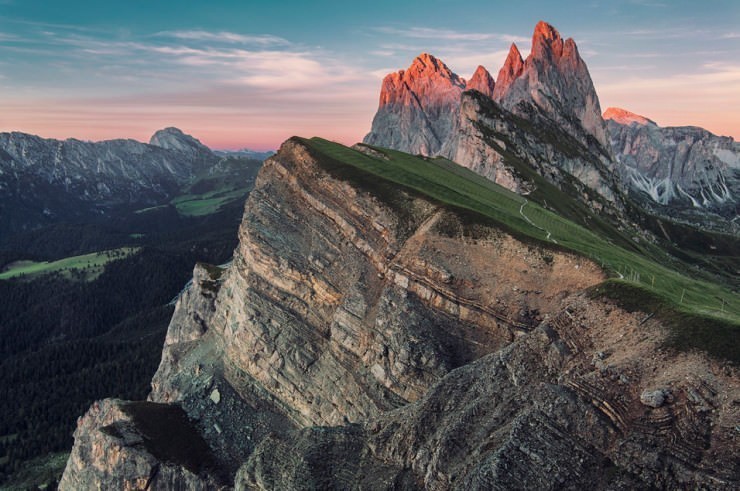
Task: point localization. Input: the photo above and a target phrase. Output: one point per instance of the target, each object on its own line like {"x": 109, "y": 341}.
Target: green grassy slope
{"x": 90, "y": 264}
{"x": 639, "y": 266}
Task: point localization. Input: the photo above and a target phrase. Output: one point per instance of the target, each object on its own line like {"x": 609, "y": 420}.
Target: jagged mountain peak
{"x": 510, "y": 71}
{"x": 426, "y": 78}
{"x": 546, "y": 40}
{"x": 623, "y": 116}
{"x": 172, "y": 138}
{"x": 416, "y": 106}
{"x": 482, "y": 81}
{"x": 545, "y": 30}
{"x": 426, "y": 62}
{"x": 554, "y": 78}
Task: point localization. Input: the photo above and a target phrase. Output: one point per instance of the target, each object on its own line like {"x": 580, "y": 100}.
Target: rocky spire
{"x": 512, "y": 69}
{"x": 554, "y": 78}
{"x": 482, "y": 82}
{"x": 546, "y": 41}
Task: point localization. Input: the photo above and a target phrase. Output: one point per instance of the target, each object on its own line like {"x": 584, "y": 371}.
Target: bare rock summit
{"x": 482, "y": 81}
{"x": 555, "y": 78}
{"x": 416, "y": 107}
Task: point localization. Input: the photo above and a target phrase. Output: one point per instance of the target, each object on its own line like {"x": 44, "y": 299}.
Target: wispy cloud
{"x": 262, "y": 87}
{"x": 226, "y": 37}
{"x": 251, "y": 60}
{"x": 450, "y": 35}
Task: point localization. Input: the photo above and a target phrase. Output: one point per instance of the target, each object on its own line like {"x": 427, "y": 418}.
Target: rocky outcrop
{"x": 137, "y": 445}
{"x": 518, "y": 153}
{"x": 512, "y": 70}
{"x": 417, "y": 107}
{"x": 366, "y": 337}
{"x": 684, "y": 167}
{"x": 556, "y": 80}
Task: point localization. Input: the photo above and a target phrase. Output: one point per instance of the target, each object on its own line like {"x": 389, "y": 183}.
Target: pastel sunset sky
{"x": 252, "y": 73}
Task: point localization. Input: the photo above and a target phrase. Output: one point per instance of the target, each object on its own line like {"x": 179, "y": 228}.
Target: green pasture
{"x": 91, "y": 265}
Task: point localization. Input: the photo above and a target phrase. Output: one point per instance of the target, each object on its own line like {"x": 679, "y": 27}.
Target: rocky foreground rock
{"x": 367, "y": 338}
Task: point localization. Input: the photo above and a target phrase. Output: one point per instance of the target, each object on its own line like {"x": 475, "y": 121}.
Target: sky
{"x": 251, "y": 74}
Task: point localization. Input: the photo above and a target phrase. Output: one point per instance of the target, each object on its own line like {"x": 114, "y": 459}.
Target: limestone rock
{"x": 503, "y": 146}
{"x": 511, "y": 70}
{"x": 546, "y": 115}
{"x": 554, "y": 78}
{"x": 121, "y": 445}
{"x": 482, "y": 82}
{"x": 627, "y": 118}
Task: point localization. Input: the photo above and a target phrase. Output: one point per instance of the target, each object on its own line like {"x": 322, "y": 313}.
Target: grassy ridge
{"x": 92, "y": 264}
{"x": 460, "y": 188}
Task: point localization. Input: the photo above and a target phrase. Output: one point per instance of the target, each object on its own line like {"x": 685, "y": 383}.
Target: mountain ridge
{"x": 47, "y": 180}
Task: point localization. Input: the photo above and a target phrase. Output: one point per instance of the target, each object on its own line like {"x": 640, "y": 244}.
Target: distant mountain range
{"x": 96, "y": 239}
{"x": 44, "y": 181}
{"x": 246, "y": 153}
{"x": 542, "y": 113}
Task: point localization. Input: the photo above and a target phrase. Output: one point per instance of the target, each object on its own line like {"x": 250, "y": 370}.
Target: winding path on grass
{"x": 521, "y": 212}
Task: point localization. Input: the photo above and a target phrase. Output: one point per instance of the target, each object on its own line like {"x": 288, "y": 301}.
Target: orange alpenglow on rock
{"x": 512, "y": 69}
{"x": 428, "y": 81}
{"x": 623, "y": 116}
{"x": 482, "y": 81}
{"x": 417, "y": 106}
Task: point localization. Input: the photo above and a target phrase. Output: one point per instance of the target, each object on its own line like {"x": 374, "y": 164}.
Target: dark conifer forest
{"x": 70, "y": 338}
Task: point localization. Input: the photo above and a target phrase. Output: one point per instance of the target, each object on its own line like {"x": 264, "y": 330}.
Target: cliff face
{"x": 680, "y": 166}
{"x": 506, "y": 147}
{"x": 366, "y": 337}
